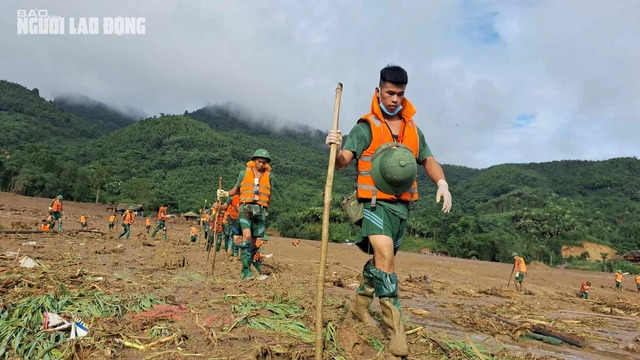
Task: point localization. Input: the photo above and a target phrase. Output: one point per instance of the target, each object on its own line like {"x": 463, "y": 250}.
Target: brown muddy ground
{"x": 212, "y": 324}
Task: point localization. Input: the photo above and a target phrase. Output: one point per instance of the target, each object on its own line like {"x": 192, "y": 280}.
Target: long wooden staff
{"x": 325, "y": 227}
{"x": 215, "y": 229}
{"x": 509, "y": 282}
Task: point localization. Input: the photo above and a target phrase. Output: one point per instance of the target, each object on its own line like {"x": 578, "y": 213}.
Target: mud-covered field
{"x": 156, "y": 299}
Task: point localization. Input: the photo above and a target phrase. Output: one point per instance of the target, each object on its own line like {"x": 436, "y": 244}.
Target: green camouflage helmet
{"x": 59, "y": 197}
{"x": 261, "y": 153}
{"x": 514, "y": 254}
{"x": 393, "y": 168}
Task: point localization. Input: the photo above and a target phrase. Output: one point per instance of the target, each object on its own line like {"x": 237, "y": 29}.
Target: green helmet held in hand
{"x": 393, "y": 168}
{"x": 261, "y": 153}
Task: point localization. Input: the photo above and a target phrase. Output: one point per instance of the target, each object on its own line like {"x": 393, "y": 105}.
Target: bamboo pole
{"x": 325, "y": 227}
{"x": 215, "y": 230}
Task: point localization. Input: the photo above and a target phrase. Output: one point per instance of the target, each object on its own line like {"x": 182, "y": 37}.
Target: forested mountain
{"x": 530, "y": 208}
{"x": 104, "y": 117}
{"x": 28, "y": 119}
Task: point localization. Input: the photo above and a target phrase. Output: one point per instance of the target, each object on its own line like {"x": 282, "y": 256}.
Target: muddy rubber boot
{"x": 246, "y": 258}
{"x": 59, "y": 225}
{"x": 361, "y": 303}
{"x": 364, "y": 296}
{"x": 164, "y": 234}
{"x": 393, "y": 318}
{"x": 234, "y": 249}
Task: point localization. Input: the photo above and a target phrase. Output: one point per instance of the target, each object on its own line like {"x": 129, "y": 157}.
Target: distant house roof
{"x": 190, "y": 214}
{"x": 123, "y": 207}
{"x": 632, "y": 255}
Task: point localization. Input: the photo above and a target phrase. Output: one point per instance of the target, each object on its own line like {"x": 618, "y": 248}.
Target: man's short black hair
{"x": 393, "y": 74}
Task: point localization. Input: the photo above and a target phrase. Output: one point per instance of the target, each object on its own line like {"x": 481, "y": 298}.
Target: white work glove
{"x": 50, "y": 208}
{"x": 221, "y": 194}
{"x": 334, "y": 137}
{"x": 443, "y": 192}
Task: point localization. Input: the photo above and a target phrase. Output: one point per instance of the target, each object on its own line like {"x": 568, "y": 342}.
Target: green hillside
{"x": 530, "y": 208}
{"x": 104, "y": 117}
{"x": 27, "y": 119}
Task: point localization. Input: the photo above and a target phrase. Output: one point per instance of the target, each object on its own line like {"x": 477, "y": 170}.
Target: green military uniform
{"x": 390, "y": 217}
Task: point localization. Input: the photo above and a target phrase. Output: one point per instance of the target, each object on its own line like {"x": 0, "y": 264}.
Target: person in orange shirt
{"x": 161, "y": 222}
{"x": 584, "y": 290}
{"x": 45, "y": 226}
{"x": 618, "y": 277}
{"x": 83, "y": 221}
{"x": 295, "y": 242}
{"x": 194, "y": 233}
{"x": 112, "y": 221}
{"x": 128, "y": 220}
{"x": 638, "y": 282}
{"x": 147, "y": 225}
{"x": 520, "y": 268}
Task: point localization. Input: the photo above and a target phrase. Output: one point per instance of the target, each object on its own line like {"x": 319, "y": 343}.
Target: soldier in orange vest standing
{"x": 55, "y": 210}
{"x": 83, "y": 221}
{"x": 231, "y": 206}
{"x": 520, "y": 267}
{"x": 161, "y": 222}
{"x": 194, "y": 233}
{"x": 388, "y": 148}
{"x": 254, "y": 185}
{"x": 129, "y": 219}
{"x": 112, "y": 220}
{"x": 147, "y": 224}
{"x": 618, "y": 277}
{"x": 638, "y": 282}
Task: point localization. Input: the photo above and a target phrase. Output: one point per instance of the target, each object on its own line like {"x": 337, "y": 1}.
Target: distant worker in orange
{"x": 45, "y": 226}
{"x": 83, "y": 221}
{"x": 112, "y": 221}
{"x": 618, "y": 277}
{"x": 295, "y": 242}
{"x": 194, "y": 233}
{"x": 161, "y": 222}
{"x": 147, "y": 225}
{"x": 520, "y": 268}
{"x": 55, "y": 210}
{"x": 232, "y": 205}
{"x": 584, "y": 290}
{"x": 638, "y": 282}
{"x": 128, "y": 220}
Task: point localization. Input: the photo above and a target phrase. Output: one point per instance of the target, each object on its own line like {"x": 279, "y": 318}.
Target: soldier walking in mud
{"x": 55, "y": 210}
{"x": 388, "y": 147}
{"x": 618, "y": 278}
{"x": 128, "y": 220}
{"x": 112, "y": 220}
{"x": 161, "y": 222}
{"x": 254, "y": 185}
{"x": 520, "y": 267}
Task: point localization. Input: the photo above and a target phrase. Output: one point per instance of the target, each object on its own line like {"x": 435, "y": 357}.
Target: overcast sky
{"x": 493, "y": 81}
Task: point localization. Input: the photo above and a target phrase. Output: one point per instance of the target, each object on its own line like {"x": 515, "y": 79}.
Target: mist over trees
{"x": 91, "y": 153}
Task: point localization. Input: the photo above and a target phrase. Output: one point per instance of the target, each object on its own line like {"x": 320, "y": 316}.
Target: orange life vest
{"x": 148, "y": 222}
{"x": 220, "y": 220}
{"x": 205, "y": 216}
{"x": 618, "y": 277}
{"x": 381, "y": 134}
{"x": 162, "y": 213}
{"x": 45, "y": 227}
{"x": 233, "y": 209}
{"x": 585, "y": 287}
{"x": 194, "y": 230}
{"x": 637, "y": 279}
{"x": 248, "y": 186}
{"x": 83, "y": 219}
{"x": 520, "y": 265}
{"x": 56, "y": 206}
{"x": 128, "y": 217}
{"x": 258, "y": 256}
{"x": 112, "y": 218}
